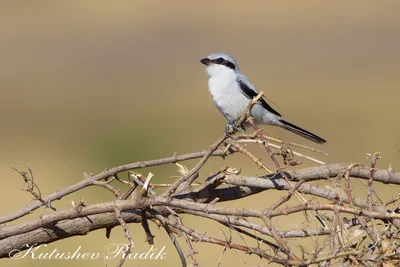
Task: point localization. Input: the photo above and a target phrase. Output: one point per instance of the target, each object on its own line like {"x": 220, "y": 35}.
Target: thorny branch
{"x": 370, "y": 237}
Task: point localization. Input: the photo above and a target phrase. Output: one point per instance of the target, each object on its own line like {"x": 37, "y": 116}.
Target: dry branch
{"x": 104, "y": 175}
{"x": 141, "y": 202}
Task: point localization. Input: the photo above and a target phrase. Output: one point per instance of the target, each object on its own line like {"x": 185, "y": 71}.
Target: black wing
{"x": 250, "y": 94}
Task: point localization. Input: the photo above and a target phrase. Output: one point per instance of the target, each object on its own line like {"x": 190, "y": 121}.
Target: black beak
{"x": 205, "y": 61}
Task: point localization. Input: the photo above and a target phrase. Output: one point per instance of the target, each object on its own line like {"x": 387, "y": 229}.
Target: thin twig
{"x": 279, "y": 147}
{"x": 296, "y": 145}
{"x": 393, "y": 200}
{"x": 31, "y": 185}
{"x": 166, "y": 223}
{"x": 287, "y": 196}
{"x": 192, "y": 253}
{"x": 145, "y": 225}
{"x": 187, "y": 177}
{"x": 281, "y": 243}
{"x": 243, "y": 150}
{"x": 131, "y": 244}
{"x": 247, "y": 233}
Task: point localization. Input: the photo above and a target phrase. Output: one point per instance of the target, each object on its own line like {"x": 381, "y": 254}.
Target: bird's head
{"x": 219, "y": 64}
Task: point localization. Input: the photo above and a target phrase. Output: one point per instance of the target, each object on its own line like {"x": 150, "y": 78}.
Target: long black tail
{"x": 297, "y": 130}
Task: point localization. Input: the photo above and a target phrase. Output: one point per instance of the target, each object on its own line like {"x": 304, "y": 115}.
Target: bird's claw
{"x": 231, "y": 129}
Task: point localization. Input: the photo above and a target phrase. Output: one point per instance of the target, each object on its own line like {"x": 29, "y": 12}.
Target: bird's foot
{"x": 231, "y": 129}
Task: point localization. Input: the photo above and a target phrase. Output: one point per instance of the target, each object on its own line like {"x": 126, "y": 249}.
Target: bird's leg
{"x": 231, "y": 129}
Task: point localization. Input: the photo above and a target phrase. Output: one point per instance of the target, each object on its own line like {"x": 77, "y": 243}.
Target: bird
{"x": 232, "y": 92}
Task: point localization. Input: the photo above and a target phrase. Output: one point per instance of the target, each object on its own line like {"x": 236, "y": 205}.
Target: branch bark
{"x": 185, "y": 197}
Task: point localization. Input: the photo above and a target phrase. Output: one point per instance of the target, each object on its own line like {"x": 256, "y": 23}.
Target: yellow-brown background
{"x": 87, "y": 85}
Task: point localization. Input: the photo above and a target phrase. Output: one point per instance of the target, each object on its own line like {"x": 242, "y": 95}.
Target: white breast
{"x": 227, "y": 94}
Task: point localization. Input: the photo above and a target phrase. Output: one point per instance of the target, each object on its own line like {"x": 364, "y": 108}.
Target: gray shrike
{"x": 232, "y": 92}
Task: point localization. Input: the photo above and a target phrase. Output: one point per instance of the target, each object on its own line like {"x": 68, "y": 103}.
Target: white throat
{"x": 220, "y": 78}
{"x": 215, "y": 71}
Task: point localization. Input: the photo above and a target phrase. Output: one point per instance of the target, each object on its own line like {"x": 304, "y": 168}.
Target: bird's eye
{"x": 220, "y": 60}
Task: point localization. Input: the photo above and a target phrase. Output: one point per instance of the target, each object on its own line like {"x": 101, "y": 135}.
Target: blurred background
{"x": 87, "y": 85}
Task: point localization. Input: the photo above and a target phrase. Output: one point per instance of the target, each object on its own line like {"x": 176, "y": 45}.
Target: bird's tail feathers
{"x": 299, "y": 131}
